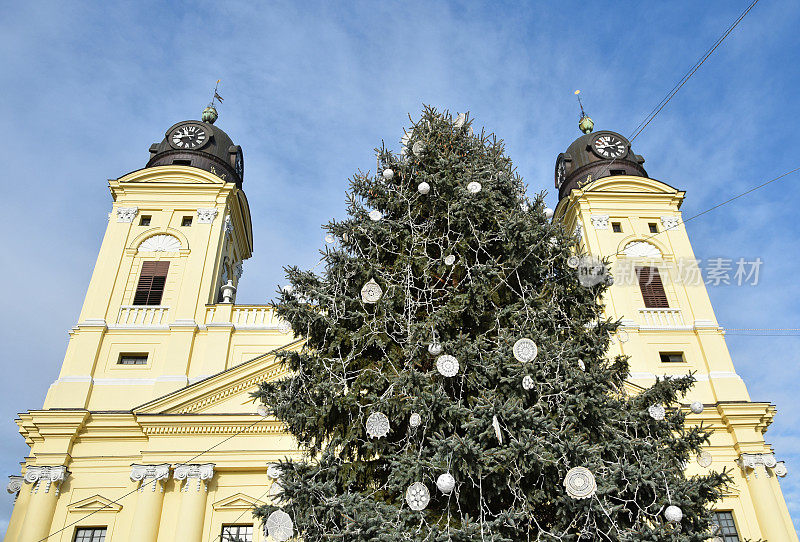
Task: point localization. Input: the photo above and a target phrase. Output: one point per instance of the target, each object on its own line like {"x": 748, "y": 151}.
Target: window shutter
{"x": 652, "y": 288}
{"x": 152, "y": 279}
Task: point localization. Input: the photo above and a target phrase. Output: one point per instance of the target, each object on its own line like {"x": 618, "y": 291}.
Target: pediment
{"x": 624, "y": 183}
{"x": 96, "y": 503}
{"x": 227, "y": 392}
{"x": 239, "y": 501}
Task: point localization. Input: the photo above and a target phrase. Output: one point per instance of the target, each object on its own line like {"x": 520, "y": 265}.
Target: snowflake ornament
{"x": 446, "y": 483}
{"x": 673, "y": 514}
{"x": 704, "y": 459}
{"x": 657, "y": 412}
{"x": 423, "y": 188}
{"x": 418, "y": 147}
{"x": 417, "y": 496}
{"x": 279, "y": 526}
{"x": 696, "y": 407}
{"x": 447, "y": 365}
{"x": 580, "y": 483}
{"x": 388, "y": 174}
{"x": 415, "y": 420}
{"x": 474, "y": 187}
{"x": 377, "y": 425}
{"x": 527, "y": 382}
{"x": 450, "y": 259}
{"x": 525, "y": 350}
{"x": 371, "y": 292}
{"x": 375, "y": 215}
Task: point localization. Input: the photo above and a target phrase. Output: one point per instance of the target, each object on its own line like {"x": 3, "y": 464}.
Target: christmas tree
{"x": 455, "y": 384}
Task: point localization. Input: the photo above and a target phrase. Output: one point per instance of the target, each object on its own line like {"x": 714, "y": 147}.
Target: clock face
{"x": 609, "y": 146}
{"x": 238, "y": 164}
{"x": 188, "y": 136}
{"x": 561, "y": 171}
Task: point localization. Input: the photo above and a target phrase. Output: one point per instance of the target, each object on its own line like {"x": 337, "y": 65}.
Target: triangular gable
{"x": 96, "y": 503}
{"x": 225, "y": 392}
{"x": 240, "y": 501}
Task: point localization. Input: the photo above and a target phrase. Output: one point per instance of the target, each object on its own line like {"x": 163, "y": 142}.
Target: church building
{"x": 149, "y": 432}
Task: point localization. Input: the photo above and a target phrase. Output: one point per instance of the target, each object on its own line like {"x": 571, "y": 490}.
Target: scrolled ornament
{"x": 377, "y": 425}
{"x": 434, "y": 348}
{"x": 417, "y": 496}
{"x": 447, "y": 365}
{"x": 279, "y": 526}
{"x": 580, "y": 483}
{"x": 371, "y": 292}
{"x": 415, "y": 420}
{"x": 474, "y": 187}
{"x": 525, "y": 350}
{"x": 704, "y": 459}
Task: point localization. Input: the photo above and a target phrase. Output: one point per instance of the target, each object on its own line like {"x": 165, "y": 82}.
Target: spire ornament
{"x": 210, "y": 114}
{"x": 586, "y": 124}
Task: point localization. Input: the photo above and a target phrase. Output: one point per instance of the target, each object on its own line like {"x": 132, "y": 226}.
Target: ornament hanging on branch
{"x": 418, "y": 147}
{"x": 704, "y": 459}
{"x": 582, "y": 365}
{"x": 580, "y": 483}
{"x": 371, "y": 292}
{"x": 527, "y": 382}
{"x": 329, "y": 239}
{"x": 474, "y": 187}
{"x": 262, "y": 410}
{"x": 423, "y": 188}
{"x": 388, "y": 174}
{"x": 696, "y": 407}
{"x": 548, "y": 213}
{"x": 274, "y": 471}
{"x": 447, "y": 365}
{"x": 375, "y": 215}
{"x": 573, "y": 262}
{"x": 417, "y": 496}
{"x": 279, "y": 526}
{"x": 415, "y": 420}
{"x": 657, "y": 412}
{"x": 460, "y": 121}
{"x": 450, "y": 259}
{"x": 497, "y": 432}
{"x": 446, "y": 483}
{"x": 434, "y": 348}
{"x": 673, "y": 514}
{"x": 377, "y": 425}
{"x": 525, "y": 350}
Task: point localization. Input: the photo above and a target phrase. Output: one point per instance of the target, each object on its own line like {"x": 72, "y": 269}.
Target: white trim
{"x": 723, "y": 374}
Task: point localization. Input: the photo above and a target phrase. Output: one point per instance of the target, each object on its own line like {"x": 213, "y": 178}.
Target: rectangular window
{"x": 671, "y": 357}
{"x": 182, "y": 162}
{"x": 653, "y": 227}
{"x": 617, "y": 172}
{"x": 725, "y": 527}
{"x": 616, "y": 227}
{"x": 652, "y": 289}
{"x": 144, "y": 220}
{"x": 237, "y": 533}
{"x": 187, "y": 221}
{"x": 92, "y": 534}
{"x": 132, "y": 359}
{"x": 151, "y": 283}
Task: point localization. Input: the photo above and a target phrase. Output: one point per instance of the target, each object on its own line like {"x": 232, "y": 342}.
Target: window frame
{"x": 136, "y": 355}
{"x": 186, "y": 221}
{"x": 654, "y": 295}
{"x": 92, "y": 538}
{"x": 668, "y": 354}
{"x": 151, "y": 284}
{"x": 653, "y": 227}
{"x": 145, "y": 220}
{"x": 239, "y": 537}
{"x": 727, "y": 536}
{"x": 616, "y": 227}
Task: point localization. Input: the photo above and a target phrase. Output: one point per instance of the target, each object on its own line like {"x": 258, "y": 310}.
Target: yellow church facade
{"x": 149, "y": 433}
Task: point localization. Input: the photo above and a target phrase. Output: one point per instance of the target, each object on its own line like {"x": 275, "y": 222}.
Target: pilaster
{"x": 194, "y": 493}
{"x": 45, "y": 483}
{"x": 149, "y": 500}
{"x": 16, "y": 486}
{"x": 761, "y": 471}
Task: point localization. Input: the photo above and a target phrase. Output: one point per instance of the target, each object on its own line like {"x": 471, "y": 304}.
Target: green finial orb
{"x": 586, "y": 124}
{"x": 210, "y": 114}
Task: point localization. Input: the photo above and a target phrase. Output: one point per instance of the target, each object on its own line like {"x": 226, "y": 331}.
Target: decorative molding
{"x": 207, "y": 215}
{"x": 600, "y": 222}
{"x": 97, "y": 503}
{"x": 239, "y": 270}
{"x": 579, "y": 232}
{"x": 641, "y": 249}
{"x": 127, "y": 214}
{"x": 670, "y": 222}
{"x": 160, "y": 243}
{"x": 239, "y": 501}
{"x": 14, "y": 484}
{"x": 228, "y": 225}
{"x": 753, "y": 462}
{"x": 150, "y": 474}
{"x": 46, "y": 476}
{"x": 201, "y": 472}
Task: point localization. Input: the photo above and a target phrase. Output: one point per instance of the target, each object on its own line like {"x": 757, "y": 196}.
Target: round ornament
{"x": 573, "y": 262}
{"x": 288, "y": 288}
{"x": 548, "y": 213}
{"x": 377, "y": 425}
{"x": 447, "y": 365}
{"x": 275, "y": 491}
{"x": 553, "y": 242}
{"x": 423, "y": 188}
{"x": 525, "y": 350}
{"x": 329, "y": 238}
{"x": 375, "y": 215}
{"x": 673, "y": 514}
{"x": 417, "y": 496}
{"x": 657, "y": 412}
{"x": 279, "y": 526}
{"x": 415, "y": 420}
{"x": 371, "y": 292}
{"x": 274, "y": 471}
{"x": 474, "y": 187}
{"x": 527, "y": 382}
{"x": 696, "y": 407}
{"x": 460, "y": 121}
{"x": 450, "y": 259}
{"x": 434, "y": 349}
{"x": 446, "y": 483}
{"x": 580, "y": 483}
{"x": 622, "y": 336}
{"x": 704, "y": 459}
{"x": 388, "y": 174}
{"x": 262, "y": 410}
{"x": 418, "y": 147}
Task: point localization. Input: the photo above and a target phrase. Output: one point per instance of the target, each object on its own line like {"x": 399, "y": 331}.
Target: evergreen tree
{"x": 441, "y": 255}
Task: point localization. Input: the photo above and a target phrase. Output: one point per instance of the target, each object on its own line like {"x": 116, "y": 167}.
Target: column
{"x": 149, "y": 498}
{"x": 193, "y": 500}
{"x": 759, "y": 469}
{"x": 16, "y": 487}
{"x": 45, "y": 483}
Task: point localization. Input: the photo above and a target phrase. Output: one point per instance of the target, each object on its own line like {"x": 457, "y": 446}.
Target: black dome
{"x": 216, "y": 153}
{"x": 581, "y": 160}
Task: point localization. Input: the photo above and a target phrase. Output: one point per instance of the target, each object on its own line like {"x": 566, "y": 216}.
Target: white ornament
{"x": 377, "y": 425}
{"x": 418, "y": 147}
{"x": 450, "y": 259}
{"x": 673, "y": 514}
{"x": 375, "y": 215}
{"x": 622, "y": 336}
{"x": 288, "y": 289}
{"x": 497, "y": 432}
{"x": 371, "y": 292}
{"x": 525, "y": 350}
{"x": 415, "y": 420}
{"x": 417, "y": 496}
{"x": 446, "y": 483}
{"x": 657, "y": 412}
{"x": 275, "y": 491}
{"x": 423, "y": 188}
{"x": 553, "y": 242}
{"x": 447, "y": 365}
{"x": 704, "y": 459}
{"x": 262, "y": 410}
{"x": 582, "y": 365}
{"x": 548, "y": 213}
{"x": 274, "y": 471}
{"x": 284, "y": 326}
{"x": 527, "y": 382}
{"x": 388, "y": 174}
{"x": 474, "y": 187}
{"x": 460, "y": 121}
{"x": 580, "y": 483}
{"x": 696, "y": 407}
{"x": 329, "y": 238}
{"x": 434, "y": 349}
{"x": 279, "y": 526}
{"x": 524, "y": 207}
{"x": 573, "y": 261}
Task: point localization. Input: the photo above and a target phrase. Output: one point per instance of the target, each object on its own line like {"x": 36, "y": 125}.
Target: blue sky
{"x": 311, "y": 88}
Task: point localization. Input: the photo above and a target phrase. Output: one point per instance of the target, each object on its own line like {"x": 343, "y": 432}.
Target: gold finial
{"x": 586, "y": 124}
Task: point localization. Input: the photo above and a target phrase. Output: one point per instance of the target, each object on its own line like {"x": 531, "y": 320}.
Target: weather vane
{"x": 210, "y": 114}
{"x": 586, "y": 124}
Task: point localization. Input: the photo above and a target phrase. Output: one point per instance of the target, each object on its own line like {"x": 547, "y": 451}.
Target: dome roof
{"x": 202, "y": 145}
{"x": 599, "y": 154}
